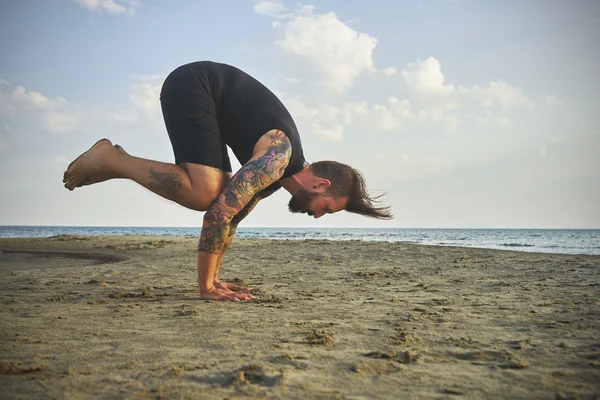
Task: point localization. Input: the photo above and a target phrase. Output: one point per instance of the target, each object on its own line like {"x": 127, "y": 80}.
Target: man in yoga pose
{"x": 208, "y": 106}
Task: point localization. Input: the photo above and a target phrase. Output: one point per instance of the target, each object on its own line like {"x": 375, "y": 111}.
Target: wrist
{"x": 206, "y": 288}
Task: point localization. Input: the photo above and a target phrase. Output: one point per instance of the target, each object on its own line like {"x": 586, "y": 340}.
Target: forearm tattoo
{"x": 167, "y": 184}
{"x": 235, "y": 221}
{"x": 240, "y": 191}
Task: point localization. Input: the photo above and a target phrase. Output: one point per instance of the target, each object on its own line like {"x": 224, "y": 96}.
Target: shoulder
{"x": 274, "y": 143}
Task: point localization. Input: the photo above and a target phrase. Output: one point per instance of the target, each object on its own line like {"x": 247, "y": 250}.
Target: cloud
{"x": 35, "y": 100}
{"x": 272, "y": 9}
{"x": 53, "y": 113}
{"x": 552, "y": 101}
{"x": 390, "y": 71}
{"x": 378, "y": 117}
{"x": 61, "y": 160}
{"x": 60, "y": 122}
{"x": 116, "y": 7}
{"x": 320, "y": 122}
{"x": 144, "y": 100}
{"x": 501, "y": 122}
{"x": 336, "y": 52}
{"x": 407, "y": 166}
{"x": 327, "y": 123}
{"x": 451, "y": 123}
{"x": 145, "y": 94}
{"x": 426, "y": 78}
{"x": 499, "y": 92}
{"x": 6, "y": 127}
{"x": 1, "y": 143}
{"x": 543, "y": 152}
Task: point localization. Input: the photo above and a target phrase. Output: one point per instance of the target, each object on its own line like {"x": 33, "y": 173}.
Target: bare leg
{"x": 195, "y": 189}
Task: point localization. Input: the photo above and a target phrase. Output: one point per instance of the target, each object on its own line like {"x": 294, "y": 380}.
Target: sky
{"x": 463, "y": 113}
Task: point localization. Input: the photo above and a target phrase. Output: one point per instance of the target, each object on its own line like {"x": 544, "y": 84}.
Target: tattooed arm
{"x": 261, "y": 171}
{"x": 232, "y": 229}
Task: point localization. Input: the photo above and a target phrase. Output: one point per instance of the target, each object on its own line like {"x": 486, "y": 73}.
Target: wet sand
{"x": 120, "y": 317}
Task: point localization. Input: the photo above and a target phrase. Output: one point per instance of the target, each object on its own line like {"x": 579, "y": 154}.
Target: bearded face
{"x": 300, "y": 202}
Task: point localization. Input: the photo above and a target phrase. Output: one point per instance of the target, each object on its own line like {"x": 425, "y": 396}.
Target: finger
{"x": 240, "y": 296}
{"x": 232, "y": 298}
{"x": 245, "y": 296}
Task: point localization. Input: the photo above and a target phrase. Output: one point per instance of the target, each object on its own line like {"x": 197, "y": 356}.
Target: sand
{"x": 120, "y": 317}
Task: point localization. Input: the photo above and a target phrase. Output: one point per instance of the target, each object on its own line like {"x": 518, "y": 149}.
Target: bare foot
{"x": 89, "y": 168}
{"x": 103, "y": 176}
{"x": 121, "y": 149}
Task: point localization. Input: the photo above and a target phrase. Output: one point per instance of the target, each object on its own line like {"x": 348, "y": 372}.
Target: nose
{"x": 318, "y": 215}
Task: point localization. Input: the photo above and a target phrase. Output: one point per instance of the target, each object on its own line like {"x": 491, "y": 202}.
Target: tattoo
{"x": 235, "y": 221}
{"x": 167, "y": 184}
{"x": 242, "y": 193}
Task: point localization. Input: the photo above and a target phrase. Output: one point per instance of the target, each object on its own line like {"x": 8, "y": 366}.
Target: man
{"x": 208, "y": 106}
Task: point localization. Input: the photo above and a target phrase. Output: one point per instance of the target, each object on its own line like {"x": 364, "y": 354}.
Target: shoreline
{"x": 551, "y": 241}
{"x": 73, "y": 237}
{"x": 332, "y": 319}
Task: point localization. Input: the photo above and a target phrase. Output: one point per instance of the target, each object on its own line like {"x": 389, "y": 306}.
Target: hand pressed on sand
{"x": 234, "y": 288}
{"x": 224, "y": 294}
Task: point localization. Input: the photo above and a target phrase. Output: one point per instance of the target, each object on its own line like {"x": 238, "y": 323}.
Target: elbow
{"x": 217, "y": 218}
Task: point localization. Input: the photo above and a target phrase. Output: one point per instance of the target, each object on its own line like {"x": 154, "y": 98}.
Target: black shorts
{"x": 191, "y": 120}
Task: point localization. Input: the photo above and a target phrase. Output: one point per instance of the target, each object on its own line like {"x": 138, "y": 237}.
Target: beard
{"x": 300, "y": 201}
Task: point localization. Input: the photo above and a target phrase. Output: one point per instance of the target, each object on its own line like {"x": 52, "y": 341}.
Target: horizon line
{"x": 286, "y": 227}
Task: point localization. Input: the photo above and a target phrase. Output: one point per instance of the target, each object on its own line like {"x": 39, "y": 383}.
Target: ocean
{"x": 562, "y": 241}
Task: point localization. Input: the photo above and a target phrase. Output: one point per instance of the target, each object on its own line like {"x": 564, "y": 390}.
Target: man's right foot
{"x": 90, "y": 167}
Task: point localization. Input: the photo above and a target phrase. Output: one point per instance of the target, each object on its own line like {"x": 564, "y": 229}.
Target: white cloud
{"x": 451, "y": 124}
{"x": 499, "y": 92}
{"x": 407, "y": 166}
{"x": 543, "y": 152}
{"x": 320, "y": 122}
{"x": 144, "y": 100}
{"x": 336, "y": 52}
{"x": 111, "y": 6}
{"x": 271, "y": 8}
{"x": 52, "y": 113}
{"x": 378, "y": 117}
{"x": 145, "y": 95}
{"x": 1, "y": 143}
{"x": 426, "y": 77}
{"x": 552, "y": 101}
{"x": 501, "y": 122}
{"x": 35, "y": 100}
{"x": 61, "y": 160}
{"x": 390, "y": 71}
{"x": 60, "y": 122}
{"x": 327, "y": 122}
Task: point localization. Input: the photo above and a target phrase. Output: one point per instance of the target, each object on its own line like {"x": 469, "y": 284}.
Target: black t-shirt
{"x": 246, "y": 110}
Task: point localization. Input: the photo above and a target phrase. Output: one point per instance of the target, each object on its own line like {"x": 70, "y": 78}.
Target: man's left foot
{"x": 90, "y": 167}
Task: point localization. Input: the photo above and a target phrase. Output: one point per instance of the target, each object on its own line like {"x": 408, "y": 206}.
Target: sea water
{"x": 565, "y": 241}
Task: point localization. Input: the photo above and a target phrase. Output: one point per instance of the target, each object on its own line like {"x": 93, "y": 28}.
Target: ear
{"x": 321, "y": 184}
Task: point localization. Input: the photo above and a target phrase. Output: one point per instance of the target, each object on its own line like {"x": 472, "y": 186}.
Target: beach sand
{"x": 120, "y": 317}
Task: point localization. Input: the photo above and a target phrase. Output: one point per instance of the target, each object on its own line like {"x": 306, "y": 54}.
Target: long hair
{"x": 349, "y": 182}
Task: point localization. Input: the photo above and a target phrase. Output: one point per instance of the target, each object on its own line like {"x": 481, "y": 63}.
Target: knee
{"x": 201, "y": 201}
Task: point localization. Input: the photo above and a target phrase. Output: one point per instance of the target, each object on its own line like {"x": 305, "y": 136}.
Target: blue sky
{"x": 467, "y": 113}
